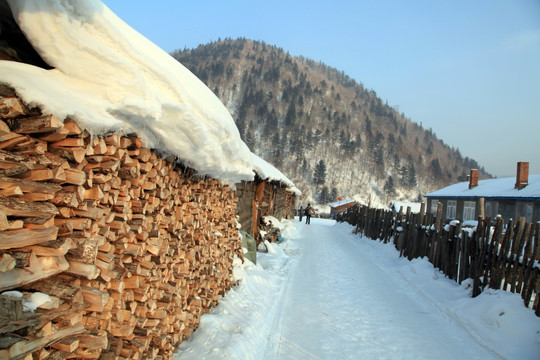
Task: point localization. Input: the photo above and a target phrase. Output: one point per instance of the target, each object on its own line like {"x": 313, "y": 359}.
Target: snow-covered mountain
{"x": 297, "y": 113}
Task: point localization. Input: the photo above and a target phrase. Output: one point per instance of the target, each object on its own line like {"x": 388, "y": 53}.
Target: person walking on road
{"x": 308, "y": 212}
{"x": 300, "y": 213}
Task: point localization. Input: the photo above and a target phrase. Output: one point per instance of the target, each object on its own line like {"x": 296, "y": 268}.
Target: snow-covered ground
{"x": 325, "y": 293}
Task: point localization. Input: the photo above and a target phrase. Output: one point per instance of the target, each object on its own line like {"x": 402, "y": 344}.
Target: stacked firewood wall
{"x": 130, "y": 249}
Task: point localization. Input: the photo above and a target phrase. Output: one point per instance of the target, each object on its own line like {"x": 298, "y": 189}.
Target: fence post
{"x": 501, "y": 258}
{"x": 479, "y": 255}
{"x": 531, "y": 273}
{"x": 516, "y": 248}
{"x": 481, "y": 208}
{"x": 436, "y": 237}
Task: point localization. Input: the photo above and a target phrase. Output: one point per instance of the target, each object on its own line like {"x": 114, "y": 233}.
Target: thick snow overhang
{"x": 109, "y": 78}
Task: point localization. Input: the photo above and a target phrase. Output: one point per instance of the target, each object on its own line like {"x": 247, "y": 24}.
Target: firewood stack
{"x": 130, "y": 249}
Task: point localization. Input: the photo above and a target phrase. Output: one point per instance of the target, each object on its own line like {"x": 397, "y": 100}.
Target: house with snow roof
{"x": 340, "y": 206}
{"x": 510, "y": 197}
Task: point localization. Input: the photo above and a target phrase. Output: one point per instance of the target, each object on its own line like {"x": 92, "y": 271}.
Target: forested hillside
{"x": 321, "y": 128}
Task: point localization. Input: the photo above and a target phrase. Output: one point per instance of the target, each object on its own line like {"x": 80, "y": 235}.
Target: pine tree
{"x": 333, "y": 194}
{"x": 389, "y": 188}
{"x": 319, "y": 175}
{"x": 411, "y": 176}
{"x": 290, "y": 117}
{"x": 323, "y": 196}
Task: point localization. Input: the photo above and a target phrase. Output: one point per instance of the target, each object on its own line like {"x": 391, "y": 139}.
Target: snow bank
{"x": 109, "y": 78}
{"x": 497, "y": 319}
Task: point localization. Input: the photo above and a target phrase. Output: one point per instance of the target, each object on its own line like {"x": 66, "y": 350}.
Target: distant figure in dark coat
{"x": 300, "y": 213}
{"x": 309, "y": 212}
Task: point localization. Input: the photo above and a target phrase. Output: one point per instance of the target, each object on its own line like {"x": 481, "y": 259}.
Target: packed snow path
{"x": 338, "y": 303}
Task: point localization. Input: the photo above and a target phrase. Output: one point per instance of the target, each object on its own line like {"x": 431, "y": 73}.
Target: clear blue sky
{"x": 470, "y": 70}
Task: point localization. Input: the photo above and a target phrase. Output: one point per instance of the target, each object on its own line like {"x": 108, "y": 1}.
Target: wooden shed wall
{"x": 257, "y": 199}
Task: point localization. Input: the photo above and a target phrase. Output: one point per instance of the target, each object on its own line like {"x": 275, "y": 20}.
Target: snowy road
{"x": 340, "y": 304}
{"x": 325, "y": 293}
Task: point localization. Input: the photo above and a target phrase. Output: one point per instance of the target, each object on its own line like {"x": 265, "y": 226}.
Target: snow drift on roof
{"x": 341, "y": 202}
{"x": 270, "y": 173}
{"x": 492, "y": 188}
{"x": 109, "y": 78}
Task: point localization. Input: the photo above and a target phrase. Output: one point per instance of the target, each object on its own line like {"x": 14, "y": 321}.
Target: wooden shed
{"x": 340, "y": 206}
{"x": 259, "y": 198}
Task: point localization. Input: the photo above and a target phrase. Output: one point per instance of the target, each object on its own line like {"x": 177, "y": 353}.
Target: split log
{"x": 72, "y": 127}
{"x": 11, "y": 191}
{"x": 39, "y": 124}
{"x": 10, "y": 308}
{"x": 57, "y": 135}
{"x": 10, "y": 140}
{"x": 29, "y": 186}
{"x": 40, "y": 268}
{"x": 37, "y": 175}
{"x": 96, "y": 298}
{"x": 19, "y": 207}
{"x": 65, "y": 288}
{"x": 10, "y": 239}
{"x": 57, "y": 247}
{"x": 69, "y": 142}
{"x": 67, "y": 344}
{"x": 10, "y": 107}
{"x": 75, "y": 177}
{"x": 88, "y": 271}
{"x": 21, "y": 348}
{"x": 7, "y": 262}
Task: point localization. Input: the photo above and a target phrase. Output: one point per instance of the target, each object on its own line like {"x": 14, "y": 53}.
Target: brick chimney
{"x": 473, "y": 178}
{"x": 522, "y": 175}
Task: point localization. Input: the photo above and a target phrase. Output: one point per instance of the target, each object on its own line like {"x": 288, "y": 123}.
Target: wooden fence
{"x": 494, "y": 254}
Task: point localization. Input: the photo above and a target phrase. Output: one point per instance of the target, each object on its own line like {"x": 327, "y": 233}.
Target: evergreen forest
{"x": 321, "y": 128}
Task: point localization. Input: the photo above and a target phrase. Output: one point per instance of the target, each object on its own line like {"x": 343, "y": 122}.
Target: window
{"x": 524, "y": 209}
{"x": 434, "y": 205}
{"x": 451, "y": 209}
{"x": 469, "y": 209}
{"x": 492, "y": 209}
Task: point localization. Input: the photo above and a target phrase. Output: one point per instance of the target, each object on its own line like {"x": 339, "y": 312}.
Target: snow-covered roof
{"x": 270, "y": 173}
{"x": 500, "y": 188}
{"x": 415, "y": 207}
{"x": 109, "y": 78}
{"x": 341, "y": 203}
